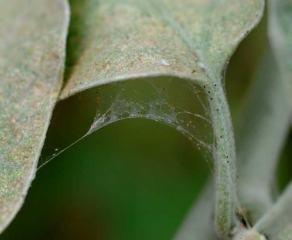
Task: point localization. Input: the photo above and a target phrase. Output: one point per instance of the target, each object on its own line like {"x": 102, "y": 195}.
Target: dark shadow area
{"x": 284, "y": 171}
{"x": 134, "y": 179}
{"x": 242, "y": 67}
{"x": 77, "y": 35}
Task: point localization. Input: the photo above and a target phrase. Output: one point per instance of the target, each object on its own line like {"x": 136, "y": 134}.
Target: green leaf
{"x": 247, "y": 234}
{"x": 258, "y": 150}
{"x": 280, "y": 35}
{"x": 112, "y": 41}
{"x": 261, "y": 135}
{"x": 117, "y": 40}
{"x": 32, "y": 51}
{"x": 286, "y": 233}
{"x": 277, "y": 220}
{"x": 278, "y": 217}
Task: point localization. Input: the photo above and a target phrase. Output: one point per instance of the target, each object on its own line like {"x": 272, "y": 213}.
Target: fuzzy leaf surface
{"x": 111, "y": 41}
{"x": 32, "y": 51}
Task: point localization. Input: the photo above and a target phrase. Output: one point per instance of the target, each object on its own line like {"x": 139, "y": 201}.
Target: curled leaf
{"x": 32, "y": 50}
{"x": 112, "y": 41}
{"x": 261, "y": 135}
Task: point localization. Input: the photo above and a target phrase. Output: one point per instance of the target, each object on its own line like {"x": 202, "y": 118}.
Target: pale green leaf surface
{"x": 261, "y": 135}
{"x": 199, "y": 222}
{"x": 280, "y": 35}
{"x": 114, "y": 40}
{"x": 118, "y": 40}
{"x": 247, "y": 234}
{"x": 274, "y": 223}
{"x": 258, "y": 150}
{"x": 278, "y": 217}
{"x": 286, "y": 233}
{"x": 32, "y": 50}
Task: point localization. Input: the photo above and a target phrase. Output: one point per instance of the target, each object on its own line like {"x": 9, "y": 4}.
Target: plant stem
{"x": 224, "y": 157}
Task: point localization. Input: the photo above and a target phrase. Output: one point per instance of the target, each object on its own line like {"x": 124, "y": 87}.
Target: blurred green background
{"x": 134, "y": 179}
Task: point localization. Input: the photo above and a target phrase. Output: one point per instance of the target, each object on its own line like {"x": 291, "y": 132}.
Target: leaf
{"x": 108, "y": 40}
{"x": 271, "y": 97}
{"x": 112, "y": 41}
{"x": 275, "y": 221}
{"x": 199, "y": 221}
{"x": 286, "y": 233}
{"x": 247, "y": 234}
{"x": 280, "y": 35}
{"x": 32, "y": 51}
{"x": 264, "y": 126}
{"x": 258, "y": 150}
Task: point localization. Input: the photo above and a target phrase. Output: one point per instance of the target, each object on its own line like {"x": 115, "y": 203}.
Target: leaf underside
{"x": 117, "y": 40}
{"x": 109, "y": 41}
{"x": 280, "y": 35}
{"x": 276, "y": 222}
{"x": 32, "y": 50}
{"x": 266, "y": 108}
{"x": 258, "y": 149}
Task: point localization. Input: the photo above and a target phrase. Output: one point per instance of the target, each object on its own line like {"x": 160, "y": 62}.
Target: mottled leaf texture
{"x": 192, "y": 39}
{"x": 32, "y": 50}
{"x": 115, "y": 40}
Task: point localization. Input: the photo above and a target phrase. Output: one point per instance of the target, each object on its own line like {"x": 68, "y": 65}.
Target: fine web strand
{"x": 177, "y": 103}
